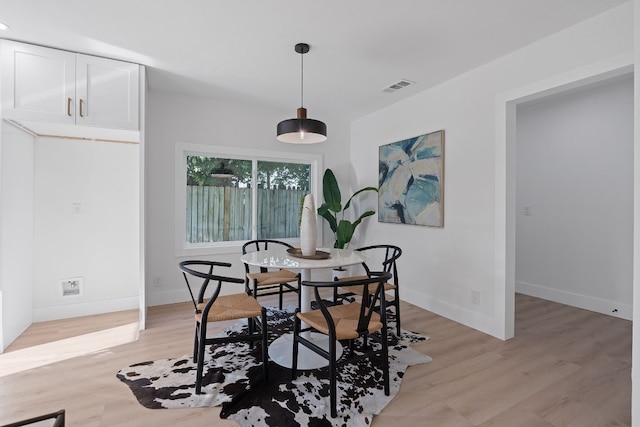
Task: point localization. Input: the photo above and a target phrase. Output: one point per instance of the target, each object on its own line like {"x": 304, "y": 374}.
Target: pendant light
{"x": 302, "y": 130}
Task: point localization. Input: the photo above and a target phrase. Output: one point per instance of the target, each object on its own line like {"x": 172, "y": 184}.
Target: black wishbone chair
{"x": 385, "y": 258}
{"x": 217, "y": 308}
{"x": 263, "y": 282}
{"x": 353, "y": 323}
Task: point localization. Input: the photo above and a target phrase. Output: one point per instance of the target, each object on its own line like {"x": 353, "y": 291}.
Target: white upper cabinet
{"x": 37, "y": 83}
{"x": 47, "y": 85}
{"x": 106, "y": 93}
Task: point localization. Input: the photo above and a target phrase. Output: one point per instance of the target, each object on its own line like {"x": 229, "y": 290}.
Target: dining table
{"x": 281, "y": 349}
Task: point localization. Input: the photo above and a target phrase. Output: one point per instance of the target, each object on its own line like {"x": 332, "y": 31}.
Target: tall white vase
{"x": 308, "y": 230}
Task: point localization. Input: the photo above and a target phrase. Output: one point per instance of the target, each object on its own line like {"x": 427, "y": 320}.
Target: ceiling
{"x": 243, "y": 50}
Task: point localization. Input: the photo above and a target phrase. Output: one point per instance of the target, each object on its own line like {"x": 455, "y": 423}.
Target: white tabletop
{"x": 279, "y": 258}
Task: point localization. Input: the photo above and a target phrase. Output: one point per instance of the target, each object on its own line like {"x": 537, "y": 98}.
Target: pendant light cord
{"x": 302, "y": 79}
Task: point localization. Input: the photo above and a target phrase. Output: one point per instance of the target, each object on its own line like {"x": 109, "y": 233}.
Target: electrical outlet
{"x": 475, "y": 297}
{"x": 71, "y": 287}
{"x": 157, "y": 281}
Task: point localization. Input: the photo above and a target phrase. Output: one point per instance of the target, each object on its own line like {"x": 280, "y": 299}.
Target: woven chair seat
{"x": 231, "y": 307}
{"x": 345, "y": 317}
{"x": 359, "y": 289}
{"x": 273, "y": 277}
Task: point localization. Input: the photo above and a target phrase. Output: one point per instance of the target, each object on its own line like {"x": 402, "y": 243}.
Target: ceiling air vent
{"x": 398, "y": 85}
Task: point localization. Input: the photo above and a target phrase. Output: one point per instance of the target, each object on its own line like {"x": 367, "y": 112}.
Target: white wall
{"x": 575, "y": 176}
{"x": 17, "y": 232}
{"x": 100, "y": 243}
{"x": 172, "y": 119}
{"x": 440, "y": 267}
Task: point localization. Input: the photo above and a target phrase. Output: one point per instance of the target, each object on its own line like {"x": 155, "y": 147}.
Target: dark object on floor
{"x": 57, "y": 420}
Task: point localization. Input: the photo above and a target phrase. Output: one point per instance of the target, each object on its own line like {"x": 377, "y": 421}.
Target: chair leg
{"x": 265, "y": 352}
{"x": 332, "y": 377}
{"x": 280, "y": 296}
{"x": 397, "y": 304}
{"x": 294, "y": 354}
{"x": 195, "y": 343}
{"x": 251, "y": 324}
{"x": 202, "y": 343}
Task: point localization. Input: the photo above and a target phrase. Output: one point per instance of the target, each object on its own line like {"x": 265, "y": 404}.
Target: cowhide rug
{"x": 235, "y": 381}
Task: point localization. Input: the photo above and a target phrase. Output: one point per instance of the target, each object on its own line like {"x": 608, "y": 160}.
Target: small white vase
{"x": 308, "y": 230}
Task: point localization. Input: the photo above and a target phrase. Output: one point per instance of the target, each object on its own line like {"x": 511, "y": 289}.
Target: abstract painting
{"x": 410, "y": 179}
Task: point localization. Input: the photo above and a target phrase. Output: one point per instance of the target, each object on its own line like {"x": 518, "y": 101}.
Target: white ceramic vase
{"x": 308, "y": 230}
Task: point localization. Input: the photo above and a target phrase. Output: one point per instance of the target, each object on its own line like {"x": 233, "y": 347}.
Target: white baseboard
{"x": 65, "y": 311}
{"x": 612, "y": 308}
{"x": 472, "y": 319}
{"x": 173, "y": 296}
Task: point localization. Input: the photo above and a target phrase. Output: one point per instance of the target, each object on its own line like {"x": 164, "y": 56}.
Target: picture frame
{"x": 411, "y": 181}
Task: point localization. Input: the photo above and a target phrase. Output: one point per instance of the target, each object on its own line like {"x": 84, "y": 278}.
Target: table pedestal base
{"x": 280, "y": 351}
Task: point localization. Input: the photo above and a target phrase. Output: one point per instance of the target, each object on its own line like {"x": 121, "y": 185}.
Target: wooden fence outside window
{"x": 216, "y": 214}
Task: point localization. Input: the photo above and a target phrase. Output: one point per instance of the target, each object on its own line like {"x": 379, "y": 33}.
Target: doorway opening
{"x": 574, "y": 197}
{"x": 505, "y": 172}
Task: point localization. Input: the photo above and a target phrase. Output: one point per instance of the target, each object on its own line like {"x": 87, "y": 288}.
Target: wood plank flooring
{"x": 565, "y": 367}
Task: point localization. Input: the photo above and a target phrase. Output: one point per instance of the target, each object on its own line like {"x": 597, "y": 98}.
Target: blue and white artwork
{"x": 410, "y": 181}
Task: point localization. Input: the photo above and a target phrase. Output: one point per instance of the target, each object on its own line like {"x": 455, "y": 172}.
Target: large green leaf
{"x": 344, "y": 234}
{"x": 358, "y": 192}
{"x": 330, "y": 189}
{"x": 333, "y": 207}
{"x": 363, "y": 216}
{"x": 330, "y": 219}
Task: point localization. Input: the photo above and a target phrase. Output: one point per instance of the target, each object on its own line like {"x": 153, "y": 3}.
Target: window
{"x": 227, "y": 196}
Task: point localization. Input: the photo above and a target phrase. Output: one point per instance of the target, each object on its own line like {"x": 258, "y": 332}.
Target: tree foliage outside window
{"x": 270, "y": 174}
{"x": 283, "y": 175}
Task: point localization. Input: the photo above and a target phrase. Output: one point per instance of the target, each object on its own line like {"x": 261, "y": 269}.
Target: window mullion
{"x": 254, "y": 199}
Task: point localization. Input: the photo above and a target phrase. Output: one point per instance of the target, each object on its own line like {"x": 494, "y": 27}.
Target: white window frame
{"x": 183, "y": 150}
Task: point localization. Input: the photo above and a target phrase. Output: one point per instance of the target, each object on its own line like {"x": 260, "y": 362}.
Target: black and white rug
{"x": 235, "y": 381}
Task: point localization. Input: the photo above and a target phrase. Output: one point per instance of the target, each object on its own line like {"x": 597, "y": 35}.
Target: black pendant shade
{"x": 301, "y": 130}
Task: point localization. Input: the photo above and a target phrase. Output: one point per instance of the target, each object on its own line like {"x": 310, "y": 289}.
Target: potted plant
{"x": 333, "y": 211}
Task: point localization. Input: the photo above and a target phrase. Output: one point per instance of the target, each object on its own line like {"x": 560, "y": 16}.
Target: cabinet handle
{"x": 81, "y": 102}
{"x": 68, "y": 106}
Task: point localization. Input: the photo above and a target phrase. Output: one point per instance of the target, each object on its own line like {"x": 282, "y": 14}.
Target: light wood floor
{"x": 565, "y": 367}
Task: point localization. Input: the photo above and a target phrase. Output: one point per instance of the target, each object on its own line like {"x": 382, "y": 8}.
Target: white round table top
{"x": 279, "y": 258}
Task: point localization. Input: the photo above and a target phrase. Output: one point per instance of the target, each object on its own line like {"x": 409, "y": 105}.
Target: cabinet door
{"x": 38, "y": 83}
{"x": 106, "y": 93}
